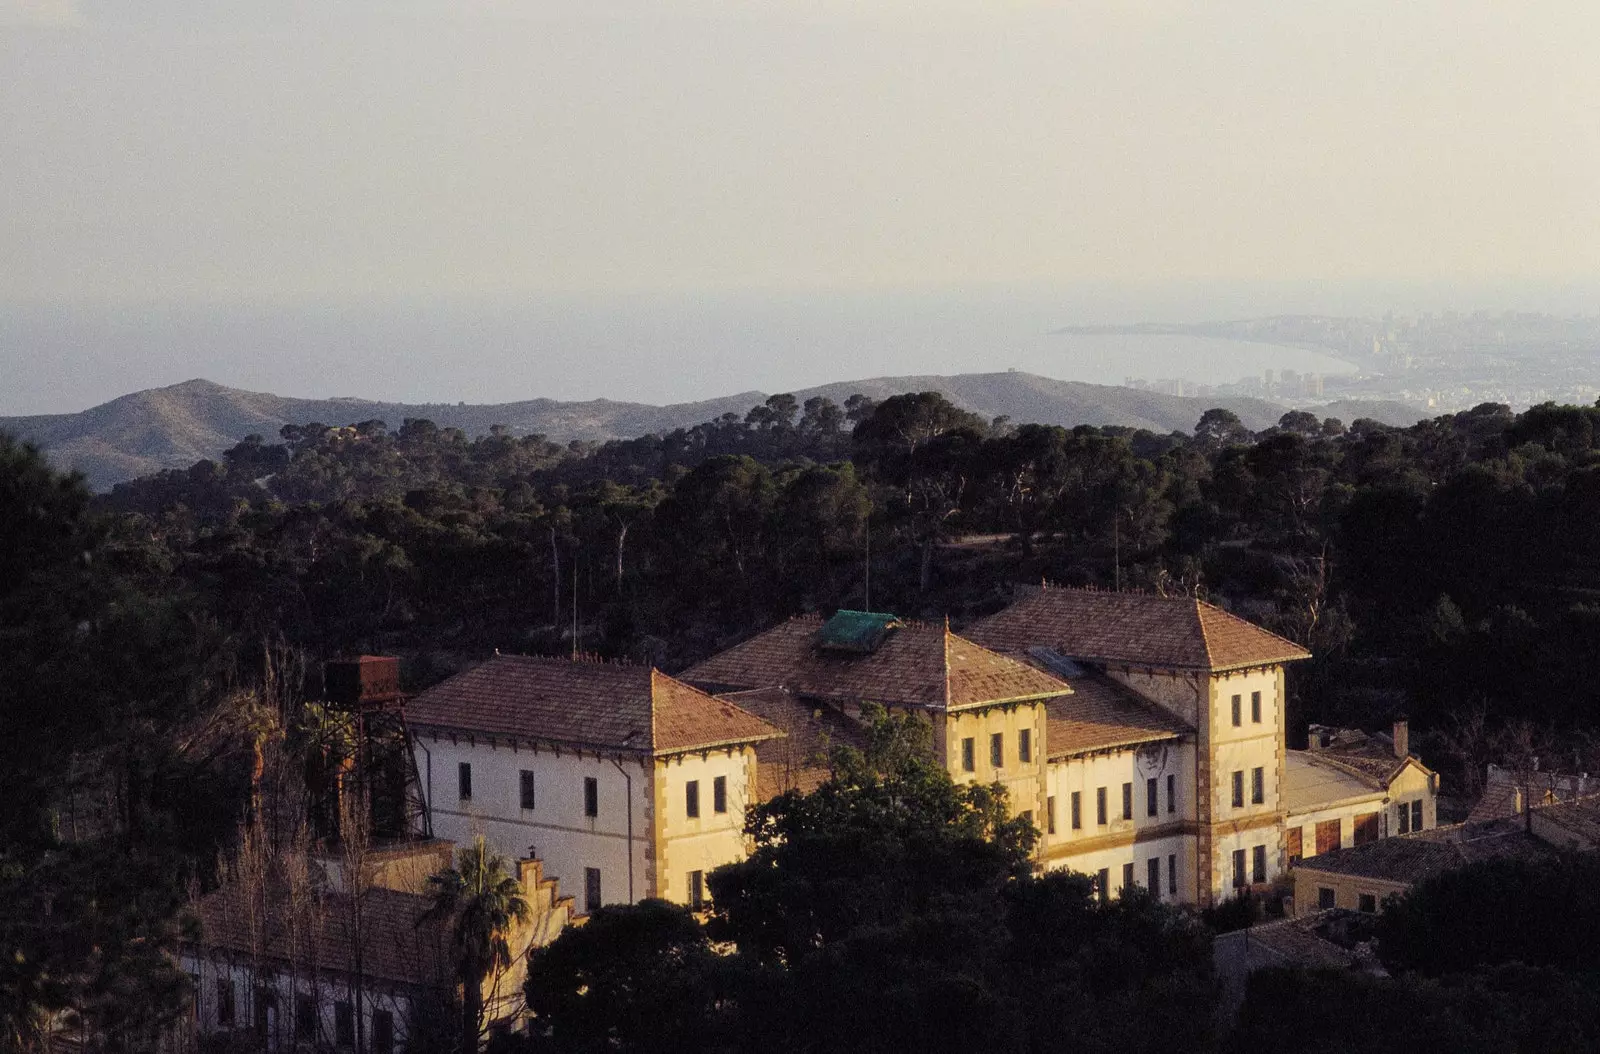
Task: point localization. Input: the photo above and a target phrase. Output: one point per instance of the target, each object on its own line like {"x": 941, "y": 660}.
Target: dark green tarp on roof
{"x": 859, "y": 632}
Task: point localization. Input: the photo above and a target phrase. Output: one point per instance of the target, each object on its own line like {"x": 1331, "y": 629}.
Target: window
{"x": 1366, "y": 828}
{"x": 1329, "y": 836}
{"x": 225, "y": 1007}
{"x": 591, "y": 889}
{"x": 382, "y": 1032}
{"x": 1324, "y": 898}
{"x": 1236, "y": 702}
{"x": 344, "y": 1024}
{"x": 697, "y": 889}
{"x": 266, "y": 1003}
{"x": 1025, "y": 745}
{"x": 1027, "y": 814}
{"x": 1367, "y": 902}
{"x": 1172, "y": 873}
{"x": 1258, "y": 864}
{"x": 1151, "y": 805}
{"x": 194, "y": 1001}
{"x": 526, "y": 788}
{"x": 1258, "y": 786}
{"x": 691, "y": 799}
{"x": 997, "y": 750}
{"x": 969, "y": 761}
{"x": 591, "y": 796}
{"x": 1416, "y": 815}
{"x": 1238, "y": 869}
{"x": 1292, "y": 843}
{"x": 1102, "y": 883}
{"x": 305, "y": 1017}
{"x": 464, "y": 781}
{"x": 719, "y": 794}
{"x": 1153, "y": 876}
{"x": 1238, "y": 790}
{"x": 1403, "y": 814}
{"x": 1100, "y": 806}
{"x": 1050, "y": 814}
{"x": 1127, "y": 876}
{"x": 1127, "y": 801}
{"x": 1255, "y": 708}
{"x": 1172, "y": 793}
{"x": 1077, "y": 810}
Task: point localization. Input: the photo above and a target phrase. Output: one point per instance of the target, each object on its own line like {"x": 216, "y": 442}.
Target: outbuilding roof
{"x": 918, "y": 664}
{"x": 396, "y": 943}
{"x": 1310, "y": 782}
{"x": 1136, "y": 629}
{"x": 1409, "y": 859}
{"x": 591, "y": 704}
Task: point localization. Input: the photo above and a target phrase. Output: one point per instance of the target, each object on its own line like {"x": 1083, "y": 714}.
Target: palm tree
{"x": 484, "y": 902}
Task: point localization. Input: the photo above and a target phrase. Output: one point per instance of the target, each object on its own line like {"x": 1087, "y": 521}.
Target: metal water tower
{"x": 367, "y": 687}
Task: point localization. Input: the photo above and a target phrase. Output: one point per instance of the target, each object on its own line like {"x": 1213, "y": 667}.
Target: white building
{"x": 623, "y": 782}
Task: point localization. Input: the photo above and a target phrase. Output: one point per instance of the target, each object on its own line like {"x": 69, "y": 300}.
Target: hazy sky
{"x": 255, "y": 150}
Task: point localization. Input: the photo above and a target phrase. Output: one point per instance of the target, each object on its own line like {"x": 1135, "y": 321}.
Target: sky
{"x": 342, "y": 151}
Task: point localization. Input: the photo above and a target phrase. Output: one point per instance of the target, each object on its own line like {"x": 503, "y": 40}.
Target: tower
{"x": 381, "y": 766}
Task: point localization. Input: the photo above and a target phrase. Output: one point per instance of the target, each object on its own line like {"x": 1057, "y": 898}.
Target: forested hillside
{"x": 174, "y": 427}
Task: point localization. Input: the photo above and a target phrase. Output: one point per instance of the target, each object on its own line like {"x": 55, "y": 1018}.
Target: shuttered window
{"x": 1329, "y": 836}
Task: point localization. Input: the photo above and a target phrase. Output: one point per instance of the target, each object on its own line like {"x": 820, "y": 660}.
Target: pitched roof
{"x": 798, "y": 760}
{"x": 1101, "y": 714}
{"x": 592, "y": 704}
{"x": 1366, "y": 755}
{"x": 396, "y": 945}
{"x": 1415, "y": 858}
{"x": 1135, "y": 628}
{"x": 917, "y": 665}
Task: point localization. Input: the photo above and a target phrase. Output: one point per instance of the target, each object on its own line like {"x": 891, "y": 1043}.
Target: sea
{"x": 657, "y": 347}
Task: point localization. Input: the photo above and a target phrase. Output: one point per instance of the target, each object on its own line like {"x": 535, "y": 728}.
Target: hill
{"x": 176, "y": 426}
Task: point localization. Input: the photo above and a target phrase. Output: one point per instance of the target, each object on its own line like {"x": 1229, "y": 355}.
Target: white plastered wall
{"x": 556, "y": 830}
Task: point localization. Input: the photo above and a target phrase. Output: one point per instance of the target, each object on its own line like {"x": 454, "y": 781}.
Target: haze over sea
{"x": 661, "y": 348}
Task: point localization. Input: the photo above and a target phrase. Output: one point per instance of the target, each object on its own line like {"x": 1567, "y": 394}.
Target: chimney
{"x": 1402, "y": 739}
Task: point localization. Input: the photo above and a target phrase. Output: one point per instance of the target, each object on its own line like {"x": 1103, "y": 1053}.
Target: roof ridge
{"x": 944, "y": 649}
{"x": 654, "y": 673}
{"x": 586, "y": 658}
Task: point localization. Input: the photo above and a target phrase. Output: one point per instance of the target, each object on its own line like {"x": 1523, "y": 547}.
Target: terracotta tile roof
{"x": 797, "y": 761}
{"x": 1286, "y": 942}
{"x": 394, "y": 946}
{"x": 1415, "y": 858}
{"x": 592, "y": 704}
{"x": 1101, "y": 714}
{"x": 1134, "y": 628}
{"x": 917, "y": 665}
{"x": 1365, "y": 755}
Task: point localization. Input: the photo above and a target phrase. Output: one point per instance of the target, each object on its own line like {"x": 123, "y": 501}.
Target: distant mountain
{"x": 176, "y": 426}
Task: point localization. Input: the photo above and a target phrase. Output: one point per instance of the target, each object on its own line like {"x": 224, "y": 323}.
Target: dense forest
{"x": 154, "y": 639}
